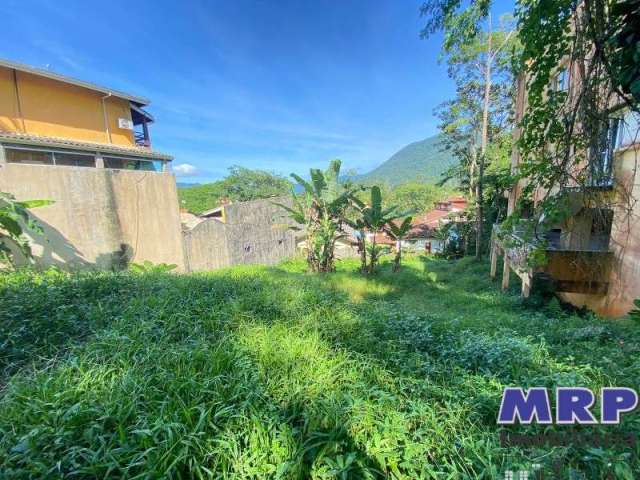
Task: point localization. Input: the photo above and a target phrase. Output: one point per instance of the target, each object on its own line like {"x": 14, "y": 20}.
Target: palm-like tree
{"x": 320, "y": 210}
{"x": 398, "y": 231}
{"x": 375, "y": 217}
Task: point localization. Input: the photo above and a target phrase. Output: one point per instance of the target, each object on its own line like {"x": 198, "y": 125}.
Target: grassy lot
{"x": 258, "y": 372}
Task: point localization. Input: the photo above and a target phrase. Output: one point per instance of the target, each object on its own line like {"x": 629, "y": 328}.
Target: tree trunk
{"x": 398, "y": 259}
{"x": 374, "y": 255}
{"x": 483, "y": 145}
{"x": 363, "y": 252}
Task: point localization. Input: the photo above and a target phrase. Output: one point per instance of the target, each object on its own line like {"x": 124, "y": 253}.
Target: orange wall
{"x": 57, "y": 109}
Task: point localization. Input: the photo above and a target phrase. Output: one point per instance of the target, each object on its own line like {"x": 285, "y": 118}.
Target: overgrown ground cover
{"x": 257, "y": 372}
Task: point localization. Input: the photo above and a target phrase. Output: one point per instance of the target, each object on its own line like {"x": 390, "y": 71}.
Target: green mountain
{"x": 418, "y": 160}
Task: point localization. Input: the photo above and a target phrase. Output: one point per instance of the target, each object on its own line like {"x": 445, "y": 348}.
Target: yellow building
{"x": 41, "y": 108}
{"x": 88, "y": 149}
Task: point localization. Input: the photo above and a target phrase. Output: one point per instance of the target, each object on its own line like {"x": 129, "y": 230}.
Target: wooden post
{"x": 526, "y": 286}
{"x": 494, "y": 259}
{"x": 506, "y": 269}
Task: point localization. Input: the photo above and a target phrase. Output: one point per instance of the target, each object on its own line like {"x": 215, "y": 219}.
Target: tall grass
{"x": 258, "y": 372}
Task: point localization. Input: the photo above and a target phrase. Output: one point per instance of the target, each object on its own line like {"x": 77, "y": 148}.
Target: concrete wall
{"x": 252, "y": 233}
{"x": 99, "y": 215}
{"x": 42, "y": 106}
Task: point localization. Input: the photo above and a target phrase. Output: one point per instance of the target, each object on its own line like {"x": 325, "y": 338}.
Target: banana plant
{"x": 14, "y": 219}
{"x": 320, "y": 211}
{"x": 398, "y": 231}
{"x": 360, "y": 227}
{"x": 375, "y": 217}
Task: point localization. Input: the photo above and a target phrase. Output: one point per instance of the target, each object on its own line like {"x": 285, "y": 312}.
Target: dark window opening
{"x": 74, "y": 160}
{"x": 28, "y": 157}
{"x": 602, "y": 153}
{"x": 601, "y": 224}
{"x": 553, "y": 237}
{"x": 121, "y": 163}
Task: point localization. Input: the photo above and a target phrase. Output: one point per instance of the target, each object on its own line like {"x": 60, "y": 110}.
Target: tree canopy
{"x": 240, "y": 185}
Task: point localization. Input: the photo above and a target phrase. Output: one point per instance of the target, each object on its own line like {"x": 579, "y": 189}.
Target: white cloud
{"x": 185, "y": 170}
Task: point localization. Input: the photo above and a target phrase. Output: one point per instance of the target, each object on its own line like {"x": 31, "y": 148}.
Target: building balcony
{"x": 579, "y": 269}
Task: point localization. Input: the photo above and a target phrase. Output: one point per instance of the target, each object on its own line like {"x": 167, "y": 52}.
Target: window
{"x": 602, "y": 152}
{"x": 562, "y": 80}
{"x": 628, "y": 130}
{"x": 122, "y": 163}
{"x": 28, "y": 157}
{"x": 601, "y": 225}
{"x": 74, "y": 159}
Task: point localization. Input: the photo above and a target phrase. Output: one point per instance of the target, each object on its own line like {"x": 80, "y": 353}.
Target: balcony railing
{"x": 141, "y": 139}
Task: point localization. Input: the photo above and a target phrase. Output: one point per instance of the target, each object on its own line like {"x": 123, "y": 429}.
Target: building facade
{"x": 88, "y": 149}
{"x": 593, "y": 255}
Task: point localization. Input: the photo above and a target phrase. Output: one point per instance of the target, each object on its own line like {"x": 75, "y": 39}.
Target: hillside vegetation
{"x": 422, "y": 160}
{"x": 256, "y": 372}
{"x": 240, "y": 185}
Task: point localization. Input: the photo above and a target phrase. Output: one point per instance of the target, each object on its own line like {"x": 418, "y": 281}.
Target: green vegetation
{"x": 257, "y": 372}
{"x": 371, "y": 217}
{"x": 417, "y": 196}
{"x": 320, "y": 211}
{"x": 240, "y": 185}
{"x": 424, "y": 159}
{"x": 14, "y": 219}
{"x": 398, "y": 231}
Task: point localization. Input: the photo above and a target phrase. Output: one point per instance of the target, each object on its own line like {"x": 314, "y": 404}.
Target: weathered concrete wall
{"x": 205, "y": 246}
{"x": 99, "y": 214}
{"x": 252, "y": 233}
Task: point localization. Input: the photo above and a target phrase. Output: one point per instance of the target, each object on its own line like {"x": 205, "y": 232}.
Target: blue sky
{"x": 276, "y": 85}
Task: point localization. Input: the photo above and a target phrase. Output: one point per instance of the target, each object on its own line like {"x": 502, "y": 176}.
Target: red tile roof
{"x": 426, "y": 224}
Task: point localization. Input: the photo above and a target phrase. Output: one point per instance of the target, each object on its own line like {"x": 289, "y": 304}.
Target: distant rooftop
{"x": 140, "y": 101}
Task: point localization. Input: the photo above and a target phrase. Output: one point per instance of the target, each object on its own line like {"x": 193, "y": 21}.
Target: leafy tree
{"x": 479, "y": 56}
{"x": 14, "y": 218}
{"x": 595, "y": 42}
{"x": 417, "y": 196}
{"x": 240, "y": 185}
{"x": 321, "y": 211}
{"x": 561, "y": 130}
{"x": 398, "y": 231}
{"x": 622, "y": 48}
{"x": 375, "y": 217}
